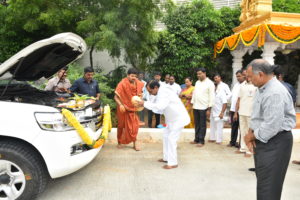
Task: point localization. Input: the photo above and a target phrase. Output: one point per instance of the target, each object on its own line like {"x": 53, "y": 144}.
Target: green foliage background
{"x": 192, "y": 30}
{"x": 290, "y": 6}
{"x": 113, "y": 25}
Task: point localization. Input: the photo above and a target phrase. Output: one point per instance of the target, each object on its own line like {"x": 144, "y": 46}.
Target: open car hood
{"x": 43, "y": 58}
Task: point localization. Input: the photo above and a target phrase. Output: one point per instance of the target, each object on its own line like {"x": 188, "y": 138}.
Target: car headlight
{"x": 52, "y": 121}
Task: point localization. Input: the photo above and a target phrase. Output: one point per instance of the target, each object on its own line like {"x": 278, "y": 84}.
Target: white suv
{"x": 36, "y": 143}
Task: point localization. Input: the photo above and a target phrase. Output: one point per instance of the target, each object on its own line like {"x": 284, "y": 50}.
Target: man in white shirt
{"x": 235, "y": 94}
{"x": 59, "y": 83}
{"x": 244, "y": 110}
{"x": 157, "y": 77}
{"x": 203, "y": 99}
{"x": 167, "y": 80}
{"x": 222, "y": 85}
{"x": 174, "y": 86}
{"x": 217, "y": 115}
{"x": 169, "y": 104}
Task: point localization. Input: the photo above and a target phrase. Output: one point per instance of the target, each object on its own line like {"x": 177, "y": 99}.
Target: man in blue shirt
{"x": 86, "y": 85}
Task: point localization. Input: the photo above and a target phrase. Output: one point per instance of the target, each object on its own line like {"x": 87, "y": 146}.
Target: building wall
{"x": 102, "y": 60}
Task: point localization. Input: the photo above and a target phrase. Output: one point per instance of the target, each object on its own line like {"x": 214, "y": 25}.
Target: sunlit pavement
{"x": 211, "y": 172}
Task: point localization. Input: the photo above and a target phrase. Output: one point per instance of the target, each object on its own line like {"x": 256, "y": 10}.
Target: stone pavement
{"x": 213, "y": 172}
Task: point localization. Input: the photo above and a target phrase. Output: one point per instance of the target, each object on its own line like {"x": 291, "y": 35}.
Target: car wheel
{"x": 23, "y": 175}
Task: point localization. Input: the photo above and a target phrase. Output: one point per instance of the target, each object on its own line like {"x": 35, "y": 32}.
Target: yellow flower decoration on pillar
{"x": 107, "y": 125}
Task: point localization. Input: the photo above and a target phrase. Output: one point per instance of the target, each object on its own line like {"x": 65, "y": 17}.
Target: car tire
{"x": 23, "y": 168}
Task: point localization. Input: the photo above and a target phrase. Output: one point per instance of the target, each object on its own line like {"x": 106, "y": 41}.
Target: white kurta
{"x": 176, "y": 116}
{"x": 176, "y": 88}
{"x": 216, "y": 124}
{"x": 235, "y": 96}
{"x": 226, "y": 89}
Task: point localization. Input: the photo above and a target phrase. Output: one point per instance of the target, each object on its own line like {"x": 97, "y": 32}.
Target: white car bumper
{"x": 56, "y": 148}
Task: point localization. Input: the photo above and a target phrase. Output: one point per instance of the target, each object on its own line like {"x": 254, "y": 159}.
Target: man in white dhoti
{"x": 217, "y": 115}
{"x": 176, "y": 116}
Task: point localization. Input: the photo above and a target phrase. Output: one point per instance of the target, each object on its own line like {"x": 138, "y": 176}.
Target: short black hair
{"x": 152, "y": 83}
{"x": 217, "y": 74}
{"x": 239, "y": 72}
{"x": 65, "y": 68}
{"x": 132, "y": 71}
{"x": 156, "y": 73}
{"x": 88, "y": 69}
{"x": 201, "y": 69}
{"x": 277, "y": 70}
{"x": 172, "y": 76}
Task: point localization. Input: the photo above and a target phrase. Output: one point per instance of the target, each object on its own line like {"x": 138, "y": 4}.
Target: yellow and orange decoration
{"x": 281, "y": 33}
{"x": 107, "y": 125}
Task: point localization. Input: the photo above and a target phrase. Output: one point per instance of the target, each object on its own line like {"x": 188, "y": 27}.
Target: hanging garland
{"x": 280, "y": 33}
{"x": 233, "y": 41}
{"x": 82, "y": 132}
{"x": 284, "y": 34}
{"x": 249, "y": 36}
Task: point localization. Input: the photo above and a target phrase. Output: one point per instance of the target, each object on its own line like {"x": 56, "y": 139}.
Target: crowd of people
{"x": 261, "y": 109}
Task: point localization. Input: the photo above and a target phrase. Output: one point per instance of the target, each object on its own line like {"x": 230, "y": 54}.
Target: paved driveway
{"x": 210, "y": 173}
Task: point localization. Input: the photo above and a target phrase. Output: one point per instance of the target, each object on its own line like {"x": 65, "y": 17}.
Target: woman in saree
{"x": 186, "y": 96}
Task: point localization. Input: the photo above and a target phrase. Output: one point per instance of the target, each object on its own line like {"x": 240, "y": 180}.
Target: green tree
{"x": 290, "y": 6}
{"x": 24, "y": 22}
{"x": 122, "y": 25}
{"x": 112, "y": 25}
{"x": 191, "y": 33}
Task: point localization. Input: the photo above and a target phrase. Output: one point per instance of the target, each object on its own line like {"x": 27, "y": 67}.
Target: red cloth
{"x": 128, "y": 122}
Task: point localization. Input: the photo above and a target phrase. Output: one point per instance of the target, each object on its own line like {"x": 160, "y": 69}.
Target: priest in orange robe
{"x": 128, "y": 120}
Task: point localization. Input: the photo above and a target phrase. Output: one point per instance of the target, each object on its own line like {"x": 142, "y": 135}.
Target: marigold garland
{"x": 284, "y": 34}
{"x": 233, "y": 41}
{"x": 280, "y": 33}
{"x": 107, "y": 125}
{"x": 249, "y": 36}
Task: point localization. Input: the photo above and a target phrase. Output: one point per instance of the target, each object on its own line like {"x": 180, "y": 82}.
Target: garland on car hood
{"x": 82, "y": 132}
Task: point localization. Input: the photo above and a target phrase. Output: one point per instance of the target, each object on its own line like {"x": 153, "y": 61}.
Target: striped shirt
{"x": 273, "y": 111}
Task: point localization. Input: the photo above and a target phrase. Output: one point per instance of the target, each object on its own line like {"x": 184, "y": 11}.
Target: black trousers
{"x": 234, "y": 129}
{"x": 271, "y": 162}
{"x": 200, "y": 125}
{"x": 157, "y": 119}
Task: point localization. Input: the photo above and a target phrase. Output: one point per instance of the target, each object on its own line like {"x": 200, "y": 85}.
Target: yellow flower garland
{"x": 83, "y": 134}
{"x": 280, "y": 33}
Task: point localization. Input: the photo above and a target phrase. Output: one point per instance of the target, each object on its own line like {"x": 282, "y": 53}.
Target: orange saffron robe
{"x": 128, "y": 122}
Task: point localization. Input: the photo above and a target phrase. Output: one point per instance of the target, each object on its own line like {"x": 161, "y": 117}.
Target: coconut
{"x": 136, "y": 99}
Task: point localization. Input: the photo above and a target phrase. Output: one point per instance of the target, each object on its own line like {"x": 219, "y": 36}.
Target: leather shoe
{"x": 251, "y": 169}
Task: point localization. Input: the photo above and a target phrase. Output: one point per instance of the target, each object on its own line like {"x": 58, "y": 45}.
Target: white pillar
{"x": 237, "y": 64}
{"x": 268, "y": 52}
